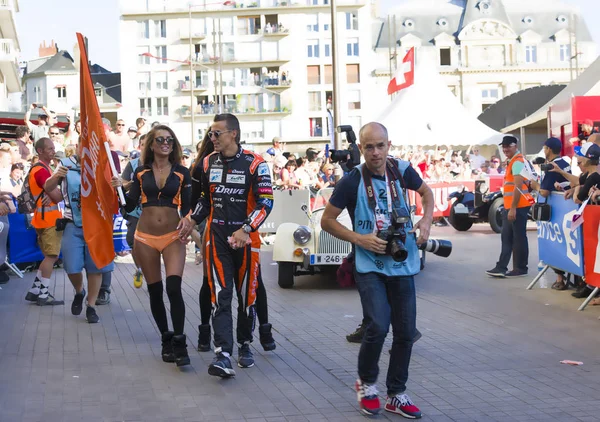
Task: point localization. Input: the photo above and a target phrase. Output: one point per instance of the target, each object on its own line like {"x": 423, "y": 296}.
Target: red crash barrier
{"x": 442, "y": 190}
{"x": 591, "y": 245}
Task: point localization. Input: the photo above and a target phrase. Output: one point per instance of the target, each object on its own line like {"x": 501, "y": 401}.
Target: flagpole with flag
{"x": 405, "y": 76}
{"x": 98, "y": 199}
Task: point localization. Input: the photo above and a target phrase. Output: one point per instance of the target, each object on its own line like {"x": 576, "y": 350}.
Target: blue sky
{"x": 99, "y": 22}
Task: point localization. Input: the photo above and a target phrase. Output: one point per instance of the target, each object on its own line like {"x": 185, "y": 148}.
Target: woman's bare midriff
{"x": 158, "y": 220}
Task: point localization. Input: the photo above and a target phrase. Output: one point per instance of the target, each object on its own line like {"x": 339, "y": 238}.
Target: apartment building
{"x": 487, "y": 49}
{"x": 267, "y": 61}
{"x": 10, "y": 79}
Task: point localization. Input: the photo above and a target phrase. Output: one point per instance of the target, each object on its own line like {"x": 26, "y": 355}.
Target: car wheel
{"x": 461, "y": 222}
{"x": 423, "y": 259}
{"x": 495, "y": 214}
{"x": 286, "y": 275}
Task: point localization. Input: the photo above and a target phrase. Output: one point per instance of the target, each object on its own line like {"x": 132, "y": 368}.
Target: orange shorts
{"x": 157, "y": 242}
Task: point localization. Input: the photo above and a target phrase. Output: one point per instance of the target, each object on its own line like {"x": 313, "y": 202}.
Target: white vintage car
{"x": 302, "y": 247}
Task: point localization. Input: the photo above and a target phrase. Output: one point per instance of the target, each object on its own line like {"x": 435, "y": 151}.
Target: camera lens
{"x": 437, "y": 247}
{"x": 397, "y": 250}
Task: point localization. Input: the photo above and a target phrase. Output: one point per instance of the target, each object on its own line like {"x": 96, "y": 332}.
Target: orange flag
{"x": 98, "y": 198}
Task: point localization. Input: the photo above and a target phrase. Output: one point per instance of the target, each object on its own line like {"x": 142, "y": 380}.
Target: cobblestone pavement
{"x": 490, "y": 352}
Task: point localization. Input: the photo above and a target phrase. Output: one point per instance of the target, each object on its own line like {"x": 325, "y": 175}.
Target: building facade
{"x": 487, "y": 49}
{"x": 10, "y": 79}
{"x": 267, "y": 61}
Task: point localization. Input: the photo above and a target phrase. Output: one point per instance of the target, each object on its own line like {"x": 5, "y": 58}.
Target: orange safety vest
{"x": 51, "y": 212}
{"x": 509, "y": 186}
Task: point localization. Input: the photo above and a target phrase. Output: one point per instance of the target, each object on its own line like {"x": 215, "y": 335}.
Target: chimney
{"x": 46, "y": 51}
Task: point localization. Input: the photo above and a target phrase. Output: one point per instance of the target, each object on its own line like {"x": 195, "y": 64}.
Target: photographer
{"x": 550, "y": 181}
{"x": 374, "y": 194}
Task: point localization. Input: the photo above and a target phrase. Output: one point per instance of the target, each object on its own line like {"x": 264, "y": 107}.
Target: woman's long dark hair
{"x": 148, "y": 155}
{"x": 205, "y": 148}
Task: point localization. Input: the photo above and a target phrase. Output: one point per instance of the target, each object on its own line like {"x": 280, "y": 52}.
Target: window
{"x": 352, "y": 21}
{"x": 62, "y": 92}
{"x": 145, "y": 107}
{"x": 36, "y": 94}
{"x": 316, "y": 126}
{"x": 144, "y": 30}
{"x": 314, "y": 101}
{"x": 313, "y": 48}
{"x": 141, "y": 58}
{"x": 312, "y": 23}
{"x": 531, "y": 54}
{"x": 327, "y": 48}
{"x": 445, "y": 57}
{"x": 98, "y": 92}
{"x": 353, "y": 73}
{"x": 565, "y": 52}
{"x": 325, "y": 27}
{"x": 161, "y": 80}
{"x": 248, "y": 25}
{"x": 160, "y": 29}
{"x": 328, "y": 74}
{"x": 352, "y": 47}
{"x": 162, "y": 106}
{"x": 161, "y": 51}
{"x": 314, "y": 75}
{"x": 353, "y": 100}
{"x": 144, "y": 82}
{"x": 490, "y": 94}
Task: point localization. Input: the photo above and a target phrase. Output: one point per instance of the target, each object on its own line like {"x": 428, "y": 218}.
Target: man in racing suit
{"x": 237, "y": 197}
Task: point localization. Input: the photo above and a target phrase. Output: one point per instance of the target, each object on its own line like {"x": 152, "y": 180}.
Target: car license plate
{"x": 460, "y": 209}
{"x": 327, "y": 259}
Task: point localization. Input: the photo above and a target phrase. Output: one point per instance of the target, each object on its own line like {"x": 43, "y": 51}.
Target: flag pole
{"x": 336, "y": 82}
{"x": 114, "y": 172}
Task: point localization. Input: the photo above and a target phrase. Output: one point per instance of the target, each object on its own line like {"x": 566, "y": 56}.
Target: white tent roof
{"x": 428, "y": 113}
{"x": 586, "y": 84}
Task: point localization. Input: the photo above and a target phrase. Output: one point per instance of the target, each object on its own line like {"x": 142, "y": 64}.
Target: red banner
{"x": 441, "y": 191}
{"x": 98, "y": 198}
{"x": 591, "y": 245}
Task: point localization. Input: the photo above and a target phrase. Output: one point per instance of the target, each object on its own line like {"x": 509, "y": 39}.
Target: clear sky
{"x": 99, "y": 20}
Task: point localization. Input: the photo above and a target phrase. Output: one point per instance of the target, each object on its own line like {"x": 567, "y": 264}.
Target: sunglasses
{"x": 216, "y": 133}
{"x": 54, "y": 133}
{"x": 496, "y": 161}
{"x": 164, "y": 140}
{"x": 120, "y": 125}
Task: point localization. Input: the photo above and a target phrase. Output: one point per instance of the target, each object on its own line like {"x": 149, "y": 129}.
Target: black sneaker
{"x": 103, "y": 298}
{"x": 266, "y": 337}
{"x": 77, "y": 305}
{"x": 31, "y": 297}
{"x": 582, "y": 293}
{"x": 91, "y": 316}
{"x": 357, "y": 336}
{"x": 515, "y": 274}
{"x": 180, "y": 350}
{"x": 49, "y": 301}
{"x": 204, "y": 337}
{"x": 496, "y": 272}
{"x": 221, "y": 367}
{"x": 245, "y": 357}
{"x": 167, "y": 347}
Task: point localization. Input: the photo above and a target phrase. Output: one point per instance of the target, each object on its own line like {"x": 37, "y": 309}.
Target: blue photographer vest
{"x": 137, "y": 212}
{"x": 365, "y": 223}
{"x": 73, "y": 193}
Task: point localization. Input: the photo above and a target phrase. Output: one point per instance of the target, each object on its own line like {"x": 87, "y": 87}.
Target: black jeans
{"x": 387, "y": 300}
{"x": 106, "y": 282}
{"x": 514, "y": 241}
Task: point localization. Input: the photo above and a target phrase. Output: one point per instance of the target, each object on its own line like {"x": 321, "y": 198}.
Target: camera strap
{"x": 391, "y": 175}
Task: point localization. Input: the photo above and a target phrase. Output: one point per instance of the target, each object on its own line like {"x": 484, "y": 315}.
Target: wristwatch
{"x": 247, "y": 228}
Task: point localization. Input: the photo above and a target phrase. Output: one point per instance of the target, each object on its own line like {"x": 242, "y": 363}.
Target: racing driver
{"x": 236, "y": 197}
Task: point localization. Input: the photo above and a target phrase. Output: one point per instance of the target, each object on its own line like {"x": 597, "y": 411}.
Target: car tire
{"x": 495, "y": 214}
{"x": 423, "y": 259}
{"x": 461, "y": 224}
{"x": 285, "y": 275}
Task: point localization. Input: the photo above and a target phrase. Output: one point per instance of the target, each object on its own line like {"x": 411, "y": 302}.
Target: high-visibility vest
{"x": 51, "y": 212}
{"x": 509, "y": 186}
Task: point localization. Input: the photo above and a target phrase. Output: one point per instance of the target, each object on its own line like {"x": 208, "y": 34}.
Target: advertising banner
{"x": 591, "y": 235}
{"x": 557, "y": 244}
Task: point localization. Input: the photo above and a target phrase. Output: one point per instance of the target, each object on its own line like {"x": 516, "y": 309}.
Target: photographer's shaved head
{"x": 373, "y": 126}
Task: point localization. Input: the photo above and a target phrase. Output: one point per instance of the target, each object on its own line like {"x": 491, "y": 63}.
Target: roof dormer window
{"x": 443, "y": 22}
{"x": 528, "y": 20}
{"x": 409, "y": 24}
{"x": 562, "y": 19}
{"x": 484, "y": 6}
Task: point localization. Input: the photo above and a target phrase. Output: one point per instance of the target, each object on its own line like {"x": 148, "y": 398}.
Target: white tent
{"x": 427, "y": 113}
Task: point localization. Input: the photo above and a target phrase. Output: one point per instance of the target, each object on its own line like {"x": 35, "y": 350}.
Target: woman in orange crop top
{"x": 164, "y": 187}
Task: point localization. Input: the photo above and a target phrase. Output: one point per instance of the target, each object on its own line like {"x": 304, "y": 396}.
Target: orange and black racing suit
{"x": 235, "y": 191}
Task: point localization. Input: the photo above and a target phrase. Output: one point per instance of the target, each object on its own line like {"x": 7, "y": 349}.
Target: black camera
{"x": 350, "y": 156}
{"x": 395, "y": 236}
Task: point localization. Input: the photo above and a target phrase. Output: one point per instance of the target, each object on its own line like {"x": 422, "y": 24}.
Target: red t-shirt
{"x": 42, "y": 175}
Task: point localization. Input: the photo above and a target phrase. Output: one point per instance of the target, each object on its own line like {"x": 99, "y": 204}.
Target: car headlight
{"x": 302, "y": 235}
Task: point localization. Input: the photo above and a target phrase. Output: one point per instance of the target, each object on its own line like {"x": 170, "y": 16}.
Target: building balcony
{"x": 7, "y": 19}
{"x": 207, "y": 112}
{"x": 9, "y": 66}
{"x": 185, "y": 86}
{"x": 232, "y": 62}
{"x": 184, "y": 35}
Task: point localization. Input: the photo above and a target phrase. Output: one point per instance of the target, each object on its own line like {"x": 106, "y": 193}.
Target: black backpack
{"x": 26, "y": 201}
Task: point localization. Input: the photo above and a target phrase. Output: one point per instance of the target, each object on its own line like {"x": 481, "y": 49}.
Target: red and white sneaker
{"x": 367, "y": 398}
{"x": 402, "y": 405}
